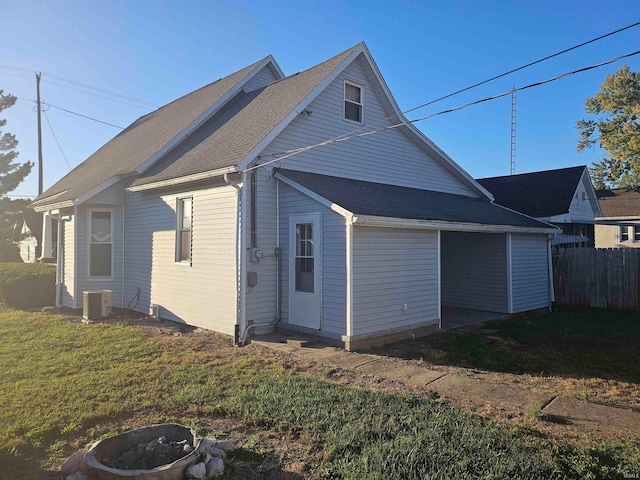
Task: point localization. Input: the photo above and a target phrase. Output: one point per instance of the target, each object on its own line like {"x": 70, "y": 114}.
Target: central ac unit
{"x": 96, "y": 304}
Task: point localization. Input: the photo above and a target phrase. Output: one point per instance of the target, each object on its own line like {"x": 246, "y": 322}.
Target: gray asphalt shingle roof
{"x": 619, "y": 202}
{"x": 241, "y": 125}
{"x": 142, "y": 139}
{"x": 376, "y": 199}
{"x": 537, "y": 194}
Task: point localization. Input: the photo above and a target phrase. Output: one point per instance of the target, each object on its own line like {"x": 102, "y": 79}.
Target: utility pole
{"x": 38, "y": 75}
{"x": 512, "y": 168}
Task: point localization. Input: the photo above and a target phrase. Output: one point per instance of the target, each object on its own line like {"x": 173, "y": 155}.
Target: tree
{"x": 617, "y": 131}
{"x": 11, "y": 174}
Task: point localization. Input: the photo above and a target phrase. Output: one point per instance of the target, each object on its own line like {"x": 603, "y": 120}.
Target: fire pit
{"x": 136, "y": 454}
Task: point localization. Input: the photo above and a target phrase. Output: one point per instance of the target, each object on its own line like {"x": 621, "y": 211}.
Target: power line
{"x": 14, "y": 75}
{"x": 83, "y": 116}
{"x": 56, "y": 139}
{"x": 489, "y": 80}
{"x": 79, "y": 84}
{"x": 96, "y": 95}
{"x": 290, "y": 153}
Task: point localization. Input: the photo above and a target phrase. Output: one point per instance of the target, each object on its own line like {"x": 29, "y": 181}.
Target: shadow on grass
{"x": 590, "y": 343}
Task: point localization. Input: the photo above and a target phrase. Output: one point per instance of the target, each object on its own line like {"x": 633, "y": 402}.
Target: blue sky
{"x": 157, "y": 51}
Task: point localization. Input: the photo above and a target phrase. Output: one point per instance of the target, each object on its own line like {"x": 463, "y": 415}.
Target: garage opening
{"x": 474, "y": 276}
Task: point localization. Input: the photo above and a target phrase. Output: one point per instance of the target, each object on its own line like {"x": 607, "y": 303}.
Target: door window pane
{"x": 304, "y": 261}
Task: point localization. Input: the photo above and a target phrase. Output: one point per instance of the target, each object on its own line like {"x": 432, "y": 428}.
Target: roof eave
{"x": 198, "y": 177}
{"x": 394, "y": 222}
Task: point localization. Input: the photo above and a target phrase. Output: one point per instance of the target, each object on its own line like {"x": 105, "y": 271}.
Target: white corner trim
{"x": 251, "y": 156}
{"x": 311, "y": 194}
{"x": 207, "y": 114}
{"x": 349, "y": 272}
{"x": 181, "y": 180}
{"x": 509, "y": 253}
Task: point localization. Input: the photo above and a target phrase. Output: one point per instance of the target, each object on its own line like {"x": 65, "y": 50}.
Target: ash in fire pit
{"x": 149, "y": 455}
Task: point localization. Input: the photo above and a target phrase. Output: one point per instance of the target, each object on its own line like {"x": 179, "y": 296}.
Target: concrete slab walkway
{"x": 477, "y": 390}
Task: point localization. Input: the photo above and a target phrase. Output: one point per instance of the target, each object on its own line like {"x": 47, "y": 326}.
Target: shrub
{"x": 27, "y": 285}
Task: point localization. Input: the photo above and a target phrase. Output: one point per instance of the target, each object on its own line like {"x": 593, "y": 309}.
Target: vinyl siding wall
{"x": 474, "y": 271}
{"x": 530, "y": 272}
{"x": 387, "y": 157}
{"x": 68, "y": 264}
{"x": 204, "y": 294}
{"x": 261, "y": 79}
{"x": 334, "y": 276}
{"x": 582, "y": 210}
{"x": 392, "y": 267}
{"x": 261, "y": 300}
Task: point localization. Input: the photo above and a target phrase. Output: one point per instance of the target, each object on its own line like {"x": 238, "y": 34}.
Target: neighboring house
{"x": 28, "y": 234}
{"x": 564, "y": 197}
{"x": 619, "y": 225}
{"x": 358, "y": 241}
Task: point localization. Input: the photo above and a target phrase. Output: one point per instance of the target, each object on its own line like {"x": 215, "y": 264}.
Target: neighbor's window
{"x": 353, "y": 102}
{"x": 183, "y": 241}
{"x": 624, "y": 233}
{"x": 100, "y": 244}
{"x": 636, "y": 234}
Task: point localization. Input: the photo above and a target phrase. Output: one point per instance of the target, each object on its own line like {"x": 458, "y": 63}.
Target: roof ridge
{"x": 533, "y": 173}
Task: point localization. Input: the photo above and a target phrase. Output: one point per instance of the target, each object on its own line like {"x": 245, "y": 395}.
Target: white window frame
{"x": 632, "y": 234}
{"x": 179, "y": 229}
{"x": 90, "y": 212}
{"x": 629, "y": 233}
{"x": 344, "y": 102}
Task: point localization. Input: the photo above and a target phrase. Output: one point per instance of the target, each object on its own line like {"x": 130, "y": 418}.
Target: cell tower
{"x": 512, "y": 168}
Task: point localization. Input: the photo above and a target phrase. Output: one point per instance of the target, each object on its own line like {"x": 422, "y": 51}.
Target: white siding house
{"x": 230, "y": 210}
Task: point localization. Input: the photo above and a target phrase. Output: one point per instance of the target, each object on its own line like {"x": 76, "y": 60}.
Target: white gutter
{"x": 181, "y": 180}
{"x": 391, "y": 222}
{"x": 53, "y": 206}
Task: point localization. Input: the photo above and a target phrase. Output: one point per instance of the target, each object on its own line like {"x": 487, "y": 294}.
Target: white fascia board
{"x": 53, "y": 206}
{"x": 449, "y": 162}
{"x": 314, "y": 196}
{"x": 246, "y": 161}
{"x": 206, "y": 115}
{"x": 196, "y": 177}
{"x": 391, "y": 222}
{"x": 50, "y": 198}
{"x": 621, "y": 221}
{"x": 593, "y": 197}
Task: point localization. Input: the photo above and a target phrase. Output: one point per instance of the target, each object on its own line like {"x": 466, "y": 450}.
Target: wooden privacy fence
{"x": 598, "y": 277}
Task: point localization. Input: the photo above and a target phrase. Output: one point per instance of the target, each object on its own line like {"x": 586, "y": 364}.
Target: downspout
{"x": 123, "y": 253}
{"x": 59, "y": 262}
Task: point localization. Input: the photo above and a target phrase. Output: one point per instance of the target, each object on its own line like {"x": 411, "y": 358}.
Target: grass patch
{"x": 60, "y": 378}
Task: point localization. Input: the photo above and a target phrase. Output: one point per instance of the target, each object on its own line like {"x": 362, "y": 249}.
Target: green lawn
{"x": 59, "y": 378}
{"x": 581, "y": 344}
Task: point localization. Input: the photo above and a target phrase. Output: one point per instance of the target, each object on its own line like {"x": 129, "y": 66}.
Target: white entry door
{"x": 305, "y": 265}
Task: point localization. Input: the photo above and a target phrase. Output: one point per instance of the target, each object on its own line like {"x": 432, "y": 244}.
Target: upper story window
{"x": 183, "y": 229}
{"x": 353, "y": 102}
{"x": 100, "y": 243}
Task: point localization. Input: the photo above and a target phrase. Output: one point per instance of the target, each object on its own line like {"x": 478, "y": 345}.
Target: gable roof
{"x": 141, "y": 140}
{"x": 537, "y": 194}
{"x": 619, "y": 202}
{"x": 380, "y": 200}
{"x": 219, "y": 140}
{"x": 218, "y": 144}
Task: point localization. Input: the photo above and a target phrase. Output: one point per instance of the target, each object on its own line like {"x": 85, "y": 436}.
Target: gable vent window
{"x": 353, "y": 102}
{"x": 183, "y": 230}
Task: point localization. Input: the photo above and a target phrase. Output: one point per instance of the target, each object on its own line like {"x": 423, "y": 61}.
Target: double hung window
{"x": 100, "y": 244}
